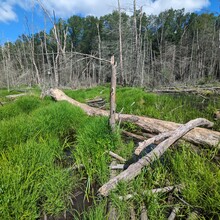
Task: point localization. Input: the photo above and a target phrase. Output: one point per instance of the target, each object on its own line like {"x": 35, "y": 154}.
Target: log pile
{"x": 198, "y": 136}
{"x": 135, "y": 169}
{"x": 168, "y": 134}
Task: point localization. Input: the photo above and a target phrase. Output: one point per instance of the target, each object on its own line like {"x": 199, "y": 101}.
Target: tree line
{"x": 171, "y": 48}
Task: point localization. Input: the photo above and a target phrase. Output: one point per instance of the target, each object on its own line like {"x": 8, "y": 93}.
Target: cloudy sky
{"x": 18, "y": 16}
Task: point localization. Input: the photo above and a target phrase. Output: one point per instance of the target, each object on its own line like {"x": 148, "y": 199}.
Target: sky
{"x": 19, "y": 17}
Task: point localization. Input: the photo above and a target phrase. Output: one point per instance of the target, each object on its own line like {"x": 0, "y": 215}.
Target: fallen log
{"x": 198, "y": 136}
{"x": 15, "y": 96}
{"x": 157, "y": 190}
{"x": 135, "y": 169}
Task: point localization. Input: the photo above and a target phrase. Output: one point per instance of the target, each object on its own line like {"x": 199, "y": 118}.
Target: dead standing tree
{"x": 112, "y": 95}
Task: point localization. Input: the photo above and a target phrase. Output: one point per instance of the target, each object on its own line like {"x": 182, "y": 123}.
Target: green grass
{"x": 30, "y": 182}
{"x": 40, "y": 140}
{"x": 177, "y": 108}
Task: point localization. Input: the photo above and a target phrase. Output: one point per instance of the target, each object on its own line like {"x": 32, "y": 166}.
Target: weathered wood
{"x": 99, "y": 100}
{"x": 203, "y": 90}
{"x": 138, "y": 137}
{"x": 157, "y": 190}
{"x": 132, "y": 212}
{"x": 173, "y": 214}
{"x": 116, "y": 156}
{"x": 117, "y": 167}
{"x": 198, "y": 136}
{"x": 112, "y": 120}
{"x": 15, "y": 96}
{"x": 143, "y": 212}
{"x": 135, "y": 169}
{"x": 112, "y": 212}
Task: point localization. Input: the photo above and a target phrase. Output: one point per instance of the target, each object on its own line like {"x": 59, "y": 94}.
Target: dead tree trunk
{"x": 198, "y": 136}
{"x": 112, "y": 95}
{"x": 135, "y": 169}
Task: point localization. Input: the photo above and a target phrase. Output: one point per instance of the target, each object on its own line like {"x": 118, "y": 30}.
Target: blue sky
{"x": 19, "y": 17}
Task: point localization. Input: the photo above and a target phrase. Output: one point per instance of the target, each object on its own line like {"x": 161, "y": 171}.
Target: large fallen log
{"x": 199, "y": 136}
{"x": 135, "y": 169}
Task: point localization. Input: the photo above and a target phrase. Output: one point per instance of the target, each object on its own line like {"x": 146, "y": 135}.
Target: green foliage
{"x": 29, "y": 177}
{"x": 57, "y": 119}
{"x": 200, "y": 177}
{"x": 94, "y": 140}
{"x": 24, "y": 105}
{"x": 36, "y": 134}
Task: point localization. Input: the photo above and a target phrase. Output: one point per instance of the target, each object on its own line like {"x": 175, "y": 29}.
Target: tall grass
{"x": 177, "y": 108}
{"x": 30, "y": 182}
{"x": 35, "y": 136}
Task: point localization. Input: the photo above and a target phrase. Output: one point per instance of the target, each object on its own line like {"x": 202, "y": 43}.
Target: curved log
{"x": 198, "y": 136}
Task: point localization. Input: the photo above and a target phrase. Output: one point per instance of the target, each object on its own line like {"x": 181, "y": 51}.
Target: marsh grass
{"x": 178, "y": 108}
{"x": 36, "y": 135}
{"x": 30, "y": 182}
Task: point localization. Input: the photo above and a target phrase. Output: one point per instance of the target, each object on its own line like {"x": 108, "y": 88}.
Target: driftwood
{"x": 116, "y": 156}
{"x": 199, "y": 136}
{"x": 135, "y": 169}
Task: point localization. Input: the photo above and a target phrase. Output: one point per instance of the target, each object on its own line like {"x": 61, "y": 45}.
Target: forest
{"x": 170, "y": 49}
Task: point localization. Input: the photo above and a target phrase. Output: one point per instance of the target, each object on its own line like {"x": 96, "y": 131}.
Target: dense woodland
{"x": 169, "y": 49}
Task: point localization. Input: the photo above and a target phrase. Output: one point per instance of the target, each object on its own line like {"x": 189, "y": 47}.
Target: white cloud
{"x": 6, "y": 13}
{"x": 66, "y": 8}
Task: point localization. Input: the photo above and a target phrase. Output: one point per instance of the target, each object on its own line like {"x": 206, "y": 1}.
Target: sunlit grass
{"x": 36, "y": 134}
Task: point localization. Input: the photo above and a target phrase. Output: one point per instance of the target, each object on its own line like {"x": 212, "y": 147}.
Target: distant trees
{"x": 173, "y": 47}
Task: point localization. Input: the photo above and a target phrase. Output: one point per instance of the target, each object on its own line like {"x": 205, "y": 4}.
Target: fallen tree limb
{"x": 136, "y": 136}
{"x": 15, "y": 96}
{"x": 116, "y": 156}
{"x": 117, "y": 167}
{"x": 157, "y": 190}
{"x": 135, "y": 169}
{"x": 199, "y": 136}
